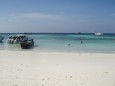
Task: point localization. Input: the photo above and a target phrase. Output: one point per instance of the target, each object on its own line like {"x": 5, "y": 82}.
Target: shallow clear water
{"x": 66, "y": 42}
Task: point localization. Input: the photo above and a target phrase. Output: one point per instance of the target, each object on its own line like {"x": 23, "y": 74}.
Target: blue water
{"x": 69, "y": 42}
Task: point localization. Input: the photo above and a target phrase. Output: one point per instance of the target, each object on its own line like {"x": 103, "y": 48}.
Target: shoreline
{"x": 59, "y": 51}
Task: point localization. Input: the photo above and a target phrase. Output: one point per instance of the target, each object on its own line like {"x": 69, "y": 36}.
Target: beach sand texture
{"x": 27, "y": 68}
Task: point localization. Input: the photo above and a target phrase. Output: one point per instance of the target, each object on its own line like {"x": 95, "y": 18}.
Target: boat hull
{"x": 26, "y": 45}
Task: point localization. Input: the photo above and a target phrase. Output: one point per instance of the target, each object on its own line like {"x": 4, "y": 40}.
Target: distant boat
{"x": 78, "y": 33}
{"x": 98, "y": 34}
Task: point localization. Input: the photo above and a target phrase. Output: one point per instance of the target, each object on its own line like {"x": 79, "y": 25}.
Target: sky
{"x": 57, "y": 16}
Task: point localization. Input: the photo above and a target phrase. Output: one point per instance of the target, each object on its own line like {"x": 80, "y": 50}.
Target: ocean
{"x": 65, "y": 42}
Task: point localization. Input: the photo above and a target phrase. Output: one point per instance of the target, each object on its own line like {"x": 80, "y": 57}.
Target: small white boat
{"x": 98, "y": 34}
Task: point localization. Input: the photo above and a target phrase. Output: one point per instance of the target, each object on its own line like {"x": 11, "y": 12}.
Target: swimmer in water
{"x": 69, "y": 45}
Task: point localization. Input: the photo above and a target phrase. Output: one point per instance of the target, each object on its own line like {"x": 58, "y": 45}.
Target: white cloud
{"x": 113, "y": 14}
{"x": 29, "y": 22}
{"x": 36, "y": 16}
{"x": 41, "y": 22}
{"x": 28, "y": 18}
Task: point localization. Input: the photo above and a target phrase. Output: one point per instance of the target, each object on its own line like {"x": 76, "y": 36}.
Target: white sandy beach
{"x": 26, "y": 68}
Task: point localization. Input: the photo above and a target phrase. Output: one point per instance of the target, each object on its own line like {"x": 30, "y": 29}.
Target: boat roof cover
{"x": 20, "y": 35}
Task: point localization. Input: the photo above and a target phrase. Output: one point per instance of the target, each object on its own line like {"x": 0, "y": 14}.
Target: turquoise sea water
{"x": 69, "y": 42}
